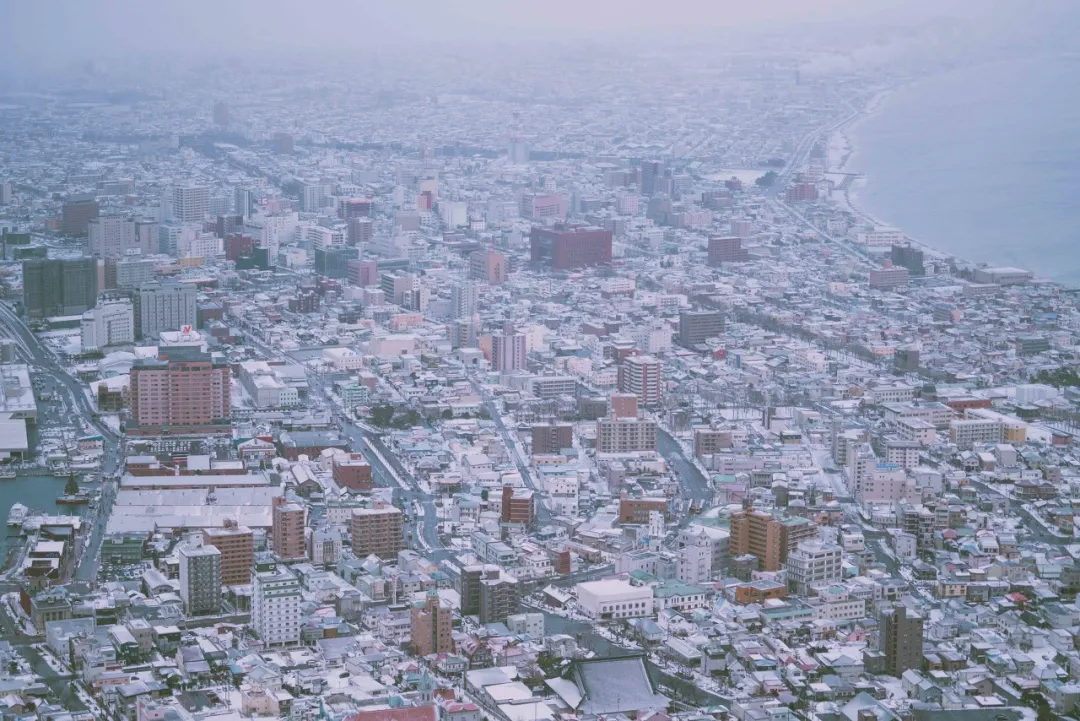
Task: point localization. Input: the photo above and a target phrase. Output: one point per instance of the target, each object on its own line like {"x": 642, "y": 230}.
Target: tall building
{"x": 187, "y": 203}
{"x": 901, "y": 640}
{"x": 164, "y": 306}
{"x": 518, "y": 505}
{"x": 128, "y": 273}
{"x": 642, "y": 376}
{"x": 237, "y": 547}
{"x": 759, "y": 534}
{"x": 625, "y": 435}
{"x": 488, "y": 266}
{"x": 652, "y": 177}
{"x": 243, "y": 202}
{"x": 813, "y": 563}
{"x": 468, "y": 586}
{"x": 563, "y": 247}
{"x": 359, "y": 231}
{"x": 275, "y": 604}
{"x": 109, "y": 236}
{"x": 59, "y": 287}
{"x": 498, "y": 599}
{"x": 76, "y": 215}
{"x": 430, "y": 625}
{"x": 463, "y": 299}
{"x": 726, "y": 249}
{"x": 508, "y": 351}
{"x": 182, "y": 390}
{"x": 287, "y": 530}
{"x": 111, "y": 322}
{"x": 377, "y": 531}
{"x": 695, "y": 561}
{"x": 200, "y": 580}
{"x": 696, "y": 326}
{"x": 551, "y": 438}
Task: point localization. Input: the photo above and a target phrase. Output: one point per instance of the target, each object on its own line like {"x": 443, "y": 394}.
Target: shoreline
{"x": 843, "y": 137}
{"x": 849, "y": 202}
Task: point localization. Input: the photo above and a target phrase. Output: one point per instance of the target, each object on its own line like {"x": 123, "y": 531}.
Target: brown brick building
{"x": 551, "y": 438}
{"x": 430, "y": 625}
{"x": 636, "y": 510}
{"x": 353, "y": 473}
{"x": 237, "y": 547}
{"x": 376, "y": 530}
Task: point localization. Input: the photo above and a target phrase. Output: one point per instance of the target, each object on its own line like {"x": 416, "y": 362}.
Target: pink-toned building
{"x": 287, "y": 532}
{"x": 488, "y": 266}
{"x": 508, "y": 351}
{"x": 540, "y": 207}
{"x": 182, "y": 390}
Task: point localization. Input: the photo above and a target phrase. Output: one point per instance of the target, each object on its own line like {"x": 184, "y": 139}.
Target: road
{"x": 543, "y": 515}
{"x": 693, "y": 484}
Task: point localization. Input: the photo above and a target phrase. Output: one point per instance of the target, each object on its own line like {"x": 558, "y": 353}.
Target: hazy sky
{"x": 41, "y": 33}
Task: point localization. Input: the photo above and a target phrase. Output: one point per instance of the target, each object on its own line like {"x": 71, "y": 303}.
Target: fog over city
{"x": 506, "y": 360}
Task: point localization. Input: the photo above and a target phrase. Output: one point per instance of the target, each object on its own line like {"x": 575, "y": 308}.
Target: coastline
{"x": 842, "y": 142}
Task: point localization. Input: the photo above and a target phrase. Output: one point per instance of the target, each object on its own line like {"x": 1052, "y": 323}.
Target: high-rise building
{"x": 243, "y": 202}
{"x": 563, "y": 247}
{"x": 463, "y": 299}
{"x": 77, "y": 214}
{"x": 111, "y": 322}
{"x": 498, "y": 599}
{"x": 625, "y": 435}
{"x": 200, "y": 580}
{"x": 508, "y": 351}
{"x": 695, "y": 561}
{"x": 623, "y": 405}
{"x": 642, "y": 376}
{"x": 518, "y": 505}
{"x": 376, "y": 530}
{"x": 652, "y": 177}
{"x": 182, "y": 390}
{"x": 350, "y": 208}
{"x": 287, "y": 531}
{"x": 110, "y": 235}
{"x": 696, "y": 326}
{"x": 283, "y": 144}
{"x": 237, "y": 547}
{"x": 488, "y": 266}
{"x": 164, "y": 306}
{"x": 59, "y": 287}
{"x": 901, "y": 640}
{"x": 910, "y": 257}
{"x": 468, "y": 585}
{"x": 360, "y": 231}
{"x": 128, "y": 273}
{"x": 757, "y": 533}
{"x": 7, "y": 197}
{"x": 275, "y": 604}
{"x": 813, "y": 563}
{"x": 551, "y": 438}
{"x": 187, "y": 203}
{"x": 726, "y": 249}
{"x": 430, "y": 625}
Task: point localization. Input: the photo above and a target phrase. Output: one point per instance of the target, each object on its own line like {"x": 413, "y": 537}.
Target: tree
{"x": 72, "y": 486}
{"x": 447, "y": 414}
{"x": 767, "y": 180}
{"x": 382, "y": 415}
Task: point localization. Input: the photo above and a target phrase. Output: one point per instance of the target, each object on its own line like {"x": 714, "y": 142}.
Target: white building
{"x": 528, "y": 623}
{"x": 835, "y": 603}
{"x": 110, "y": 323}
{"x": 264, "y": 388}
{"x": 695, "y": 557}
{"x": 275, "y": 606}
{"x": 186, "y": 203}
{"x": 813, "y": 563}
{"x": 454, "y": 215}
{"x": 612, "y": 599}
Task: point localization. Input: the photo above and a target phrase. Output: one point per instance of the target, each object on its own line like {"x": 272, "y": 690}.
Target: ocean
{"x": 981, "y": 163}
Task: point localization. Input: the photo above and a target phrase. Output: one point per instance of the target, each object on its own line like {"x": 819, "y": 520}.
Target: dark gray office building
{"x": 59, "y": 286}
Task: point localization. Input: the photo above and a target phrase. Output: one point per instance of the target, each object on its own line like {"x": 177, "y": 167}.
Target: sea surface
{"x": 981, "y": 163}
{"x": 36, "y": 492}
